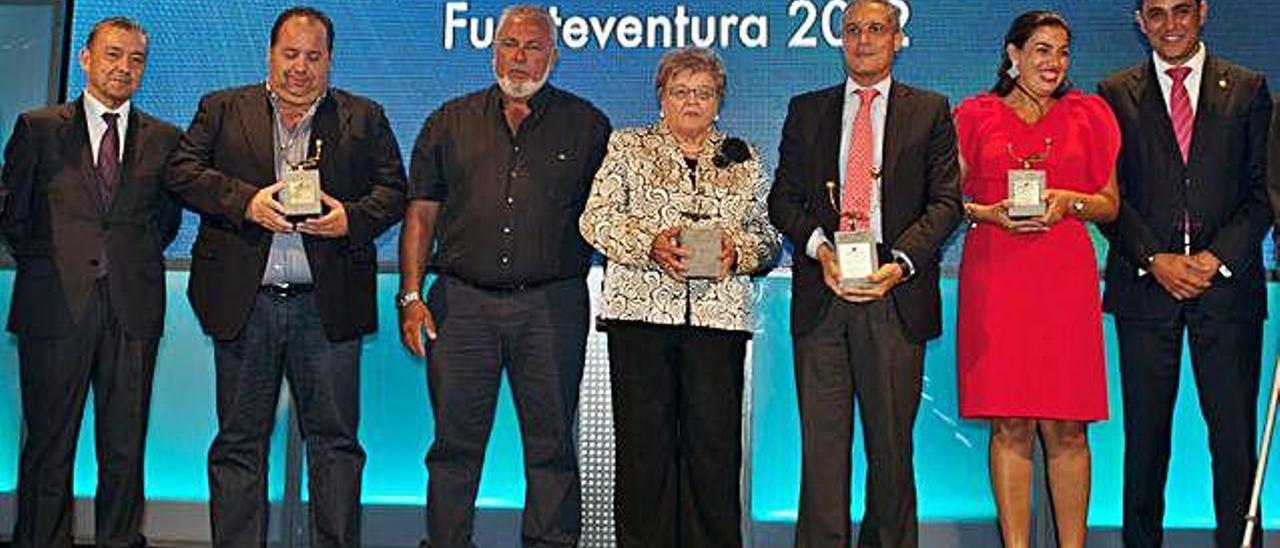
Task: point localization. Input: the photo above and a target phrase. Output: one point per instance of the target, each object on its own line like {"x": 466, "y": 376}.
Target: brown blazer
{"x": 226, "y": 155}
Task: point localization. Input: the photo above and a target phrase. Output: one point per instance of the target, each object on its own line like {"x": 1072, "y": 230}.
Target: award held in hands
{"x": 704, "y": 251}
{"x": 301, "y": 193}
{"x": 855, "y": 243}
{"x": 1027, "y": 186}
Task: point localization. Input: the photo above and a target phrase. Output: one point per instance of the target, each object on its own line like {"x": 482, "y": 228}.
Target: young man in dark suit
{"x": 1186, "y": 256}
{"x": 284, "y": 298}
{"x": 87, "y": 219}
{"x": 892, "y": 147}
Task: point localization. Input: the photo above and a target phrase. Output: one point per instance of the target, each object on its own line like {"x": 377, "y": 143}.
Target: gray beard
{"x": 521, "y": 90}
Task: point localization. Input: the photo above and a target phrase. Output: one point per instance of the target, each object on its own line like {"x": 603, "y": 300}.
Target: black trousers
{"x": 539, "y": 337}
{"x": 1226, "y": 359}
{"x": 858, "y": 351}
{"x": 677, "y": 416}
{"x": 55, "y": 377}
{"x": 283, "y": 338}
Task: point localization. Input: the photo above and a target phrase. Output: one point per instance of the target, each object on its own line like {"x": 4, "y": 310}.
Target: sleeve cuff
{"x": 905, "y": 260}
{"x": 816, "y": 239}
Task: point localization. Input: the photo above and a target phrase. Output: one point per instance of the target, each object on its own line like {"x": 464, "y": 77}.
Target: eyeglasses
{"x": 681, "y": 93}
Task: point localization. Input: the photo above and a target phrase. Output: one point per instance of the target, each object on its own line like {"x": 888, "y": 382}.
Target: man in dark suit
{"x": 87, "y": 219}
{"x": 1186, "y": 256}
{"x": 286, "y": 299}
{"x": 898, "y": 144}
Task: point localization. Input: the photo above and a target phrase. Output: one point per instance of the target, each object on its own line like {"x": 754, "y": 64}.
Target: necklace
{"x": 1027, "y": 160}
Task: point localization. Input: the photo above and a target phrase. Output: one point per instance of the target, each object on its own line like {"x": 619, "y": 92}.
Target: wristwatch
{"x": 407, "y": 298}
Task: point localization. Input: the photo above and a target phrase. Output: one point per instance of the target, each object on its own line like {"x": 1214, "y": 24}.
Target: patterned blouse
{"x": 645, "y": 186}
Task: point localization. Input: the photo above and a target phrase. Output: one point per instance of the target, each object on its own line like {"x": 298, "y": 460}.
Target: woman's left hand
{"x": 1057, "y": 202}
{"x": 728, "y": 256}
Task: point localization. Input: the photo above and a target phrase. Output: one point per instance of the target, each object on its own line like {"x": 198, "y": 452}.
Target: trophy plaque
{"x": 301, "y": 193}
{"x": 704, "y": 251}
{"x": 856, "y": 257}
{"x": 300, "y": 196}
{"x": 1026, "y": 193}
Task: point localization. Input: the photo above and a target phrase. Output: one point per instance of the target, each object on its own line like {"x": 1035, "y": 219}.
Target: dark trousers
{"x": 283, "y": 338}
{"x": 677, "y": 416}
{"x": 857, "y": 351}
{"x": 1226, "y": 359}
{"x": 539, "y": 336}
{"x": 55, "y": 375}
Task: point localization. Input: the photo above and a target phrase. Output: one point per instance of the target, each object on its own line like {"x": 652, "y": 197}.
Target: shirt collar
{"x": 851, "y": 88}
{"x": 94, "y": 109}
{"x": 275, "y": 101}
{"x": 1195, "y": 63}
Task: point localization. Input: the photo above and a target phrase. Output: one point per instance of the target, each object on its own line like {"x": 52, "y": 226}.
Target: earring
{"x": 1012, "y": 72}
{"x": 716, "y": 119}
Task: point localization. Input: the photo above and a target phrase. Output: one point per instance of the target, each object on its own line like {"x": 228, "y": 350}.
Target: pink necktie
{"x": 855, "y": 198}
{"x": 1180, "y": 109}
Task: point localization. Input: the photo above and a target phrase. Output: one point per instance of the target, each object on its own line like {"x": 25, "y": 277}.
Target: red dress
{"x": 1029, "y": 340}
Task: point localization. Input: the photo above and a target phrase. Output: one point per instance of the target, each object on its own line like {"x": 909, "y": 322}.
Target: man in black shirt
{"x": 499, "y": 178}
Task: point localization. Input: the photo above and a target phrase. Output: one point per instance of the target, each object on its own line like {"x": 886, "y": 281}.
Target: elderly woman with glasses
{"x": 678, "y": 211}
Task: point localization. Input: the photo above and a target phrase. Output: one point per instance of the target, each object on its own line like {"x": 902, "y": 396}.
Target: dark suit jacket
{"x": 1223, "y": 187}
{"x": 227, "y": 155}
{"x": 57, "y": 227}
{"x": 920, "y": 197}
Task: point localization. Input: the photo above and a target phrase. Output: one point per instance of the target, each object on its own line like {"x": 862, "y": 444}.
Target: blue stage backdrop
{"x": 412, "y": 55}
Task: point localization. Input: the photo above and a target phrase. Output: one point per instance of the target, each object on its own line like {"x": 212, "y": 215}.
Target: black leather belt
{"x": 286, "y": 290}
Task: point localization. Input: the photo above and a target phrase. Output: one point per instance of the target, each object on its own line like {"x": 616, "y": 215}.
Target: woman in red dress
{"x": 1030, "y": 350}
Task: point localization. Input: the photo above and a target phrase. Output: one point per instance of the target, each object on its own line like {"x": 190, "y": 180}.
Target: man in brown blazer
{"x": 287, "y": 298}
{"x": 87, "y": 218}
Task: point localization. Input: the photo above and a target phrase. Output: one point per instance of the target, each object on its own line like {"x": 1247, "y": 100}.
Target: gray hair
{"x": 692, "y": 60}
{"x": 533, "y": 12}
{"x": 893, "y": 8}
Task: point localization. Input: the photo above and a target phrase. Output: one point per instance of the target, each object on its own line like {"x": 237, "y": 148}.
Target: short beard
{"x": 521, "y": 90}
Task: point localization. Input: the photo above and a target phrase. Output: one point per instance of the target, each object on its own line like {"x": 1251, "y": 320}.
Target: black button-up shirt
{"x": 509, "y": 203}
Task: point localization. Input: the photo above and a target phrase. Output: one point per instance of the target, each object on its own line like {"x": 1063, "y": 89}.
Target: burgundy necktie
{"x": 1180, "y": 110}
{"x": 855, "y": 199}
{"x": 108, "y": 157}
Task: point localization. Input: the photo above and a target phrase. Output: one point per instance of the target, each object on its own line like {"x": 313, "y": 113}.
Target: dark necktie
{"x": 108, "y": 157}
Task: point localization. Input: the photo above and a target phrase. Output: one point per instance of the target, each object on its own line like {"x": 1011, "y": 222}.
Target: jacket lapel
{"x": 829, "y": 141}
{"x": 897, "y": 120}
{"x": 329, "y": 125}
{"x": 1144, "y": 88}
{"x": 256, "y": 123}
{"x": 1215, "y": 89}
{"x": 75, "y": 142}
{"x": 134, "y": 145}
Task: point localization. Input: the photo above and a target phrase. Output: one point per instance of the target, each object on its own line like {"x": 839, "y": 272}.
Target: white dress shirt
{"x": 1192, "y": 83}
{"x": 879, "y": 112}
{"x": 93, "y": 111}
